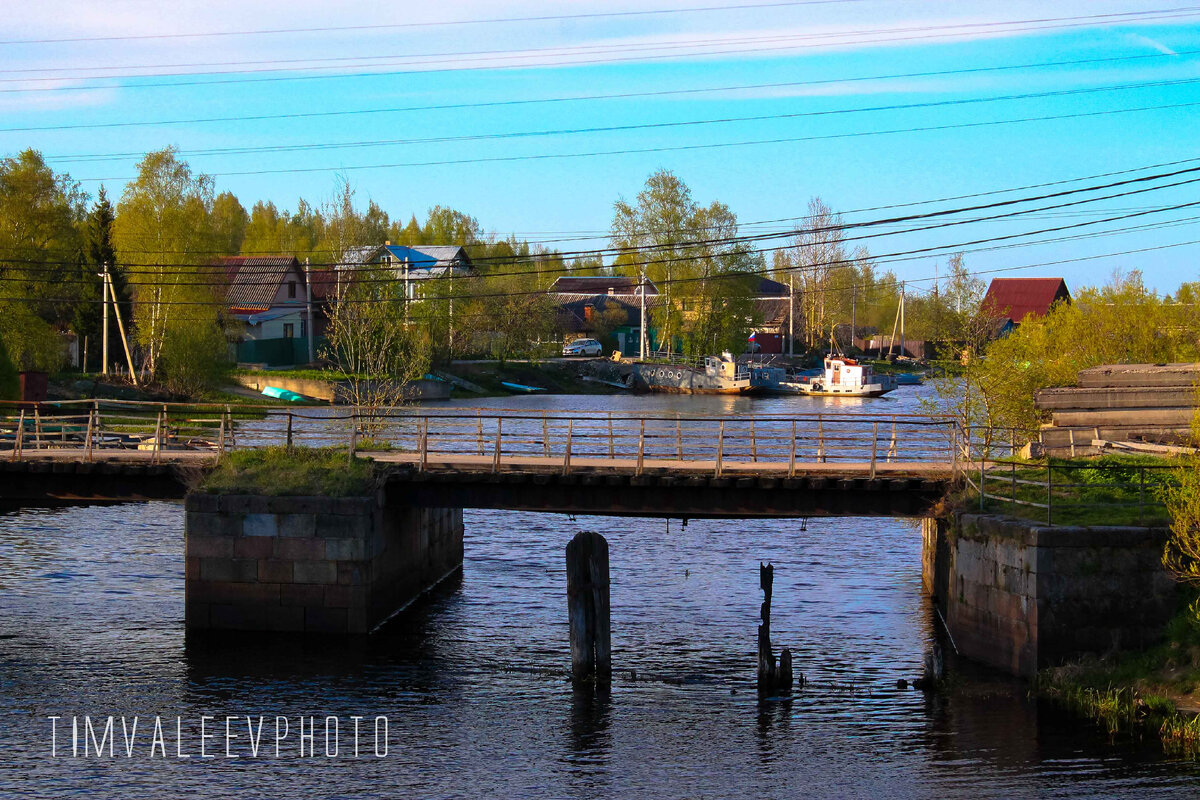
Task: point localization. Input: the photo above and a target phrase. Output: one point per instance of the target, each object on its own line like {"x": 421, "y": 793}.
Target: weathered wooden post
{"x": 588, "y": 607}
{"x": 772, "y": 677}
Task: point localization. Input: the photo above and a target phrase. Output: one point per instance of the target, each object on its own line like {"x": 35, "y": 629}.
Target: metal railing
{"x": 1067, "y": 488}
{"x": 482, "y": 437}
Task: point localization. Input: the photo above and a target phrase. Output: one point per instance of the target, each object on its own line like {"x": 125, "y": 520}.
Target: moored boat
{"x": 719, "y": 375}
{"x": 842, "y": 377}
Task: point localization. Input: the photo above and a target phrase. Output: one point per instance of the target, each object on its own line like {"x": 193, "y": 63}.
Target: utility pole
{"x": 642, "y": 329}
{"x": 902, "y": 319}
{"x": 104, "y": 340}
{"x": 853, "y": 314}
{"x": 121, "y": 328}
{"x": 406, "y": 295}
{"x": 791, "y": 314}
{"x": 308, "y": 311}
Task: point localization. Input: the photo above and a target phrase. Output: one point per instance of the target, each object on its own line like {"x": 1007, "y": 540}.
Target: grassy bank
{"x": 299, "y": 471}
{"x": 1110, "y": 490}
{"x": 1154, "y": 692}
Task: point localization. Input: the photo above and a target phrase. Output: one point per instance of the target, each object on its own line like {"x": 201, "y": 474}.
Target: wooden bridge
{"x": 673, "y": 465}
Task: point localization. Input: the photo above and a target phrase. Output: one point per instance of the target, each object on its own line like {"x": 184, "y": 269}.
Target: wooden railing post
{"x": 893, "y": 448}
{"x": 566, "y": 468}
{"x": 753, "y": 442}
{"x": 641, "y": 446}
{"x": 545, "y": 436}
{"x": 612, "y": 452}
{"x": 221, "y": 438}
{"x": 424, "y": 443}
{"x": 353, "y": 436}
{"x": 678, "y": 438}
{"x": 499, "y": 440}
{"x": 1013, "y": 473}
{"x": 820, "y": 439}
{"x": 479, "y": 430}
{"x": 720, "y": 448}
{"x": 19, "y": 444}
{"x": 792, "y": 453}
{"x": 88, "y": 440}
{"x": 874, "y": 446}
{"x": 289, "y": 431}
{"x": 158, "y": 422}
{"x": 232, "y": 434}
{"x": 37, "y": 429}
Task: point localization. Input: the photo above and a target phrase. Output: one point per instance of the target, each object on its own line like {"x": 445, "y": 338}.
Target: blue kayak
{"x": 517, "y": 387}
{"x": 283, "y": 394}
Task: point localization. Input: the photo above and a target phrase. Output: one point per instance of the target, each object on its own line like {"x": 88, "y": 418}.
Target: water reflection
{"x": 474, "y": 681}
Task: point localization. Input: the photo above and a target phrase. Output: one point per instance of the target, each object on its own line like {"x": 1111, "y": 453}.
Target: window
{"x": 288, "y": 327}
{"x": 291, "y": 290}
{"x": 303, "y": 329}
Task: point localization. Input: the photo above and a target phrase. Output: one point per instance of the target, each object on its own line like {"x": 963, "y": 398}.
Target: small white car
{"x": 583, "y": 347}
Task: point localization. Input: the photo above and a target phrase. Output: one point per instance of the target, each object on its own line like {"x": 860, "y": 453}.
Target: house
{"x": 266, "y": 296}
{"x": 602, "y": 307}
{"x": 771, "y": 309}
{"x": 1010, "y": 300}
{"x": 411, "y": 264}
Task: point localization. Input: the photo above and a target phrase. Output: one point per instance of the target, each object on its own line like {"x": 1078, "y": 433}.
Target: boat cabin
{"x": 847, "y": 373}
{"x": 724, "y": 366}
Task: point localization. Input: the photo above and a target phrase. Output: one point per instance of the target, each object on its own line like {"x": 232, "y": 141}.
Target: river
{"x": 473, "y": 681}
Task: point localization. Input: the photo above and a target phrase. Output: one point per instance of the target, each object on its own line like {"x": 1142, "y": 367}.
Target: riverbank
{"x": 1140, "y": 694}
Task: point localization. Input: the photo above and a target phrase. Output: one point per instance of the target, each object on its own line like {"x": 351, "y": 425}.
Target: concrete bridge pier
{"x": 1023, "y": 596}
{"x": 338, "y": 565}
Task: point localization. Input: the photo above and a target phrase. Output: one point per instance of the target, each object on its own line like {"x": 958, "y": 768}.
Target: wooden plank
{"x": 1150, "y": 417}
{"x": 1115, "y": 375}
{"x": 1072, "y": 398}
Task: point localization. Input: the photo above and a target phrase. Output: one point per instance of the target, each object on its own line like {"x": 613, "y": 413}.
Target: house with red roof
{"x": 1010, "y": 300}
{"x": 267, "y": 296}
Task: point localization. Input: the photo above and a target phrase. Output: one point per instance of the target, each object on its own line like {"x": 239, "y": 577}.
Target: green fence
{"x": 278, "y": 352}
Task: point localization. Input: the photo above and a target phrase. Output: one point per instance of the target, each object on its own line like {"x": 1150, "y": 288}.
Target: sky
{"x": 535, "y": 117}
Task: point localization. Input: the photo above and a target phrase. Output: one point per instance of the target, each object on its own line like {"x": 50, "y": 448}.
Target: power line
{"x": 593, "y": 97}
{"x": 435, "y": 24}
{"x": 254, "y": 150}
{"x": 681, "y": 148}
{"x": 994, "y": 27}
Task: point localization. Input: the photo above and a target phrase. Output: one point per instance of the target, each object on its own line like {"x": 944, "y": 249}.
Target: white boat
{"x": 843, "y": 377}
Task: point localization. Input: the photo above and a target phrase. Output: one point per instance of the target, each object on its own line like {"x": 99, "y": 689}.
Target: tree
{"x": 816, "y": 255}
{"x": 40, "y": 250}
{"x": 372, "y": 344}
{"x": 229, "y": 224}
{"x": 706, "y": 280}
{"x": 163, "y": 227}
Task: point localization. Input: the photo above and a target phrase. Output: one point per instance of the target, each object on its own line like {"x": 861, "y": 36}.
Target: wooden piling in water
{"x": 588, "y": 608}
{"x": 773, "y": 677}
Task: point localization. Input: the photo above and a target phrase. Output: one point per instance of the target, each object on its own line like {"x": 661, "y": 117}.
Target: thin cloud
{"x": 1154, "y": 43}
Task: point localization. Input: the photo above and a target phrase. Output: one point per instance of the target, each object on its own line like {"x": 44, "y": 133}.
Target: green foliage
{"x": 299, "y": 471}
{"x": 10, "y": 385}
{"x": 1121, "y": 323}
{"x": 229, "y": 223}
{"x": 1181, "y": 554}
{"x": 163, "y": 221}
{"x": 706, "y": 283}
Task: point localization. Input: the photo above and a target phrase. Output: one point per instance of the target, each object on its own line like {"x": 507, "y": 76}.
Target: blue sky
{"x": 837, "y": 56}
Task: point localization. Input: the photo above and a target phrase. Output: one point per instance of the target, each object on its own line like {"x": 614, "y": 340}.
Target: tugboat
{"x": 845, "y": 377}
{"x": 719, "y": 375}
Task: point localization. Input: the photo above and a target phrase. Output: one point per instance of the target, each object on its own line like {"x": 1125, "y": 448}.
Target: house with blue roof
{"x": 411, "y": 264}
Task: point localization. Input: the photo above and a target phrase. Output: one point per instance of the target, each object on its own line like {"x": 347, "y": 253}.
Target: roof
{"x": 573, "y": 315}
{"x": 324, "y": 282}
{"x": 769, "y": 288}
{"x": 1016, "y": 298}
{"x": 420, "y": 257}
{"x": 592, "y": 285}
{"x": 253, "y": 281}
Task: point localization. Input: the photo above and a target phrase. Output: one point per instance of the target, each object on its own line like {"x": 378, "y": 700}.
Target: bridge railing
{"x": 484, "y": 437}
